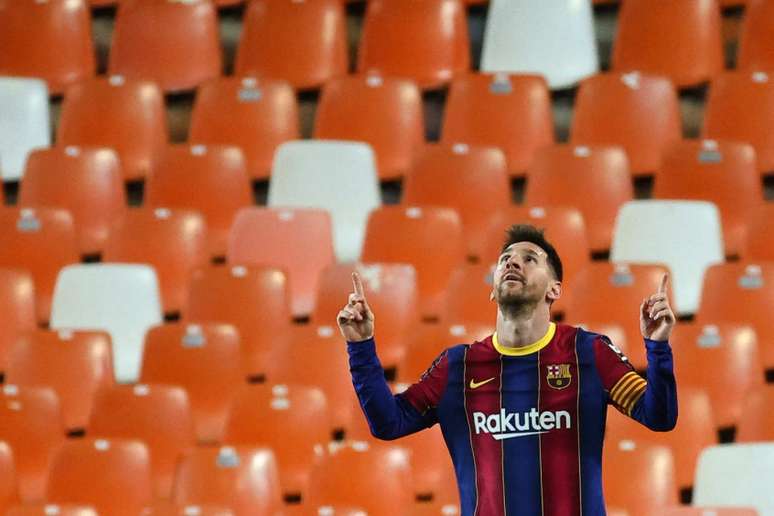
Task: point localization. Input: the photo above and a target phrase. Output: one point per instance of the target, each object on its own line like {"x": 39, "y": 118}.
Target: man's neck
{"x": 517, "y": 329}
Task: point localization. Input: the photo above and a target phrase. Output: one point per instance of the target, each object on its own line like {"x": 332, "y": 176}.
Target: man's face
{"x": 523, "y": 276}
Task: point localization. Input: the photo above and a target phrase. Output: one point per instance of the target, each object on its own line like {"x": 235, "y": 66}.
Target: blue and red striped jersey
{"x": 524, "y": 426}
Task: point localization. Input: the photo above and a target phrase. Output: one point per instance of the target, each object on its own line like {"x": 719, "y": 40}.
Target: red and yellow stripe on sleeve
{"x": 627, "y": 391}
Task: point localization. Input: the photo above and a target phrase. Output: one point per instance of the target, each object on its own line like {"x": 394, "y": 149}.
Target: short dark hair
{"x": 528, "y": 233}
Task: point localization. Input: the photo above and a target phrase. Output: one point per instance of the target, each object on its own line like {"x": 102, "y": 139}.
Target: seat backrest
{"x": 45, "y": 509}
{"x": 17, "y": 304}
{"x": 167, "y": 508}
{"x": 339, "y": 177}
{"x": 736, "y": 475}
{"x": 8, "y": 492}
{"x": 756, "y": 422}
{"x": 25, "y": 124}
{"x": 120, "y": 299}
{"x": 758, "y": 242}
{"x": 754, "y": 44}
{"x": 707, "y": 511}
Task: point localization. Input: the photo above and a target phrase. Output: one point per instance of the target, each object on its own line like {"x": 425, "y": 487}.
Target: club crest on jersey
{"x": 558, "y": 376}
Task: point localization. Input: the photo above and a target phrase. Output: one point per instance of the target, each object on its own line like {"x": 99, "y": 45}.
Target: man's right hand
{"x": 356, "y": 320}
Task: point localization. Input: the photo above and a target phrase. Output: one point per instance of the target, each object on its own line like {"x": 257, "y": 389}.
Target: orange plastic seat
{"x": 204, "y": 359}
{"x": 76, "y": 364}
{"x": 722, "y": 359}
{"x": 756, "y": 422}
{"x": 45, "y": 509}
{"x": 8, "y": 493}
{"x": 755, "y": 48}
{"x": 306, "y": 356}
{"x": 639, "y": 476}
{"x": 40, "y": 241}
{"x": 758, "y": 242}
{"x": 720, "y": 172}
{"x": 428, "y": 238}
{"x": 292, "y": 420}
{"x": 687, "y": 45}
{"x": 639, "y": 112}
{"x": 127, "y": 115}
{"x": 243, "y": 478}
{"x": 174, "y": 242}
{"x": 347, "y": 477}
{"x": 391, "y": 291}
{"x": 312, "y": 36}
{"x": 741, "y": 293}
{"x": 209, "y": 179}
{"x": 383, "y": 112}
{"x": 256, "y": 115}
{"x": 88, "y": 182}
{"x": 572, "y": 175}
{"x": 49, "y": 40}
{"x": 174, "y": 44}
{"x": 695, "y": 430}
{"x": 17, "y": 304}
{"x": 285, "y": 238}
{"x": 475, "y": 183}
{"x": 31, "y": 423}
{"x": 612, "y": 293}
{"x": 166, "y": 508}
{"x": 113, "y": 476}
{"x": 704, "y": 511}
{"x": 736, "y": 109}
{"x": 510, "y": 112}
{"x": 158, "y": 415}
{"x": 426, "y": 42}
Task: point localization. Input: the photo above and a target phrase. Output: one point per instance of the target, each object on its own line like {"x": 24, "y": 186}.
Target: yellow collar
{"x": 525, "y": 350}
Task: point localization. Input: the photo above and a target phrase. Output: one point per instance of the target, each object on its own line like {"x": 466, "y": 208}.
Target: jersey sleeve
{"x": 622, "y": 383}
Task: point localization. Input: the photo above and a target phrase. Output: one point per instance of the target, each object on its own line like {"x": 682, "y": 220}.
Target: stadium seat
{"x": 428, "y": 238}
{"x": 758, "y": 244}
{"x": 309, "y": 356}
{"x": 158, "y": 415}
{"x": 427, "y": 42}
{"x": 571, "y": 175}
{"x": 220, "y": 294}
{"x": 25, "y": 123}
{"x": 303, "y": 43}
{"x": 613, "y": 292}
{"x": 243, "y": 478}
{"x": 722, "y": 359}
{"x": 113, "y": 476}
{"x": 755, "y": 48}
{"x": 8, "y": 491}
{"x": 347, "y": 477}
{"x": 17, "y": 304}
{"x": 740, "y": 293}
{"x": 687, "y": 47}
{"x": 468, "y": 298}
{"x": 47, "y": 40}
{"x": 87, "y": 182}
{"x": 127, "y": 115}
{"x": 475, "y": 184}
{"x": 639, "y": 476}
{"x": 174, "y": 44}
{"x": 391, "y": 291}
{"x": 49, "y": 509}
{"x": 339, "y": 177}
{"x": 285, "y": 238}
{"x": 639, "y": 112}
{"x": 204, "y": 359}
{"x": 695, "y": 431}
{"x": 720, "y": 172}
{"x": 120, "y": 299}
{"x": 40, "y": 241}
{"x": 76, "y": 364}
{"x": 512, "y": 112}
{"x": 256, "y": 115}
{"x": 167, "y": 508}
{"x": 292, "y": 420}
{"x": 736, "y": 109}
{"x": 736, "y": 475}
{"x": 31, "y": 423}
{"x": 385, "y": 113}
{"x": 646, "y": 232}
{"x": 173, "y": 242}
{"x": 553, "y": 39}
{"x": 209, "y": 179}
{"x": 756, "y": 423}
{"x": 710, "y": 511}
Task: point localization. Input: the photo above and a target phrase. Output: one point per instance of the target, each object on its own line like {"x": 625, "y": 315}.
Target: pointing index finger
{"x": 358, "y": 284}
{"x": 662, "y": 288}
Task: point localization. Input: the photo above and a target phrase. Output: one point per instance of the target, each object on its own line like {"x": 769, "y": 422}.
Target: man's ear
{"x": 554, "y": 291}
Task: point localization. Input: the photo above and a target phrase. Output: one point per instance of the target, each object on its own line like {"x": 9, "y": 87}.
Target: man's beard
{"x": 514, "y": 303}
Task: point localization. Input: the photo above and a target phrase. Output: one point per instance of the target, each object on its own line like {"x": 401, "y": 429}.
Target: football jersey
{"x": 524, "y": 426}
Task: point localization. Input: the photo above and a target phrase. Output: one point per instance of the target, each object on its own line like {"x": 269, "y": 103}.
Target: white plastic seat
{"x": 736, "y": 475}
{"x": 24, "y": 123}
{"x": 554, "y": 38}
{"x": 686, "y": 236}
{"x": 336, "y": 176}
{"x": 122, "y": 299}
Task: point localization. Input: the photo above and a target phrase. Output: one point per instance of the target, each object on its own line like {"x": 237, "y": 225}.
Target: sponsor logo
{"x": 558, "y": 376}
{"x": 475, "y": 385}
{"x": 504, "y": 425}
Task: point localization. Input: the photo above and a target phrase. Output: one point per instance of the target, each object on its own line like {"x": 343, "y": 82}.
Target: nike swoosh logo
{"x": 476, "y": 385}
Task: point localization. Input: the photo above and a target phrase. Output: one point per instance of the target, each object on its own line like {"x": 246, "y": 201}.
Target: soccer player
{"x": 522, "y": 411}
